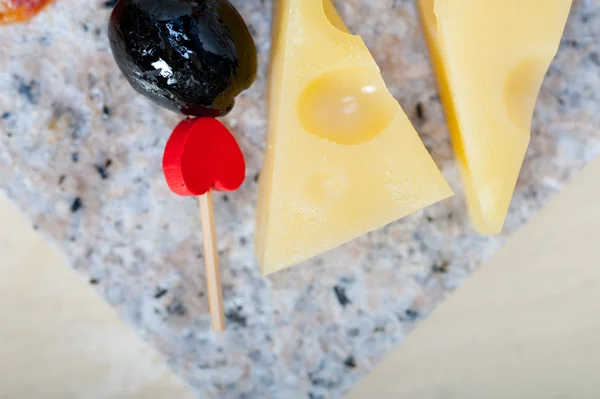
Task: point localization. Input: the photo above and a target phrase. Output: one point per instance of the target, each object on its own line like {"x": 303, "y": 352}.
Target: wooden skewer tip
{"x": 211, "y": 258}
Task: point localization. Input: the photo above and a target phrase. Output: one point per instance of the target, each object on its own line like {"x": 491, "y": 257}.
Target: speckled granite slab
{"x": 80, "y": 155}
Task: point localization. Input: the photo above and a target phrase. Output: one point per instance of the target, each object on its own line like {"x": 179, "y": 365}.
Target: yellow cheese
{"x": 490, "y": 58}
{"x": 342, "y": 158}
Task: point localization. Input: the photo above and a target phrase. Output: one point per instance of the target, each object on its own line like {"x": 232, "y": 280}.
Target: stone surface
{"x": 80, "y": 155}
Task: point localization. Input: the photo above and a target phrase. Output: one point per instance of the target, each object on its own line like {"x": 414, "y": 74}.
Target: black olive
{"x": 188, "y": 56}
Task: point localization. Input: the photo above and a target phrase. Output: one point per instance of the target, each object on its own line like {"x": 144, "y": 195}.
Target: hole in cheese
{"x": 347, "y": 106}
{"x": 521, "y": 88}
{"x": 334, "y": 17}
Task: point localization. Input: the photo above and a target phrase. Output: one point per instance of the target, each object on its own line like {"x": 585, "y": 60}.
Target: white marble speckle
{"x": 80, "y": 155}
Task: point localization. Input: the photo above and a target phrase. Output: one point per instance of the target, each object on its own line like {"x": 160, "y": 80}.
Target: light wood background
{"x": 58, "y": 338}
{"x": 525, "y": 326}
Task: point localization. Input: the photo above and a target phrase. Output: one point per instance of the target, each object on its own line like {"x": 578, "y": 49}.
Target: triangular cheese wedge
{"x": 490, "y": 58}
{"x": 342, "y": 158}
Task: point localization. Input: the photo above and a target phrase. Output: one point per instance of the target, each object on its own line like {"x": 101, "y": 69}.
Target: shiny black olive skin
{"x": 188, "y": 56}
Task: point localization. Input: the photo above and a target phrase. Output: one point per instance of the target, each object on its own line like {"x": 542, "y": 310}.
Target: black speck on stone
{"x": 411, "y": 314}
{"x": 85, "y": 27}
{"x": 235, "y": 316}
{"x": 45, "y": 40}
{"x": 429, "y": 218}
{"x": 594, "y": 58}
{"x": 572, "y": 43}
{"x": 340, "y": 294}
{"x": 440, "y": 267}
{"x": 29, "y": 90}
{"x": 36, "y": 227}
{"x": 256, "y": 177}
{"x": 353, "y": 332}
{"x": 101, "y": 171}
{"x": 312, "y": 395}
{"x": 531, "y": 193}
{"x": 585, "y": 18}
{"x": 160, "y": 292}
{"x": 225, "y": 198}
{"x": 350, "y": 362}
{"x": 379, "y": 329}
{"x": 6, "y": 115}
{"x": 76, "y": 205}
{"x": 105, "y": 112}
{"x": 243, "y": 241}
{"x": 110, "y": 3}
{"x": 9, "y": 134}
{"x": 61, "y": 179}
{"x": 322, "y": 382}
{"x": 177, "y": 308}
{"x": 75, "y": 157}
{"x": 94, "y": 281}
{"x": 419, "y": 111}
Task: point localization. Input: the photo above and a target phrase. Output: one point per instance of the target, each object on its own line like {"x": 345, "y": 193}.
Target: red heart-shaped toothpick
{"x": 201, "y": 155}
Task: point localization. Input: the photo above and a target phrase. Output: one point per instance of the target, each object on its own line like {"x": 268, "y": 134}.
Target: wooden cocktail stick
{"x": 211, "y": 260}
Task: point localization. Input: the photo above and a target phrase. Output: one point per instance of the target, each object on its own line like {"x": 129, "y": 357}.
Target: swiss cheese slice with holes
{"x": 490, "y": 58}
{"x": 342, "y": 158}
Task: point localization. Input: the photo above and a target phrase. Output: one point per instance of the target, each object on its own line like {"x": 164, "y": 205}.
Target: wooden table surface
{"x": 58, "y": 338}
{"x": 525, "y": 326}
